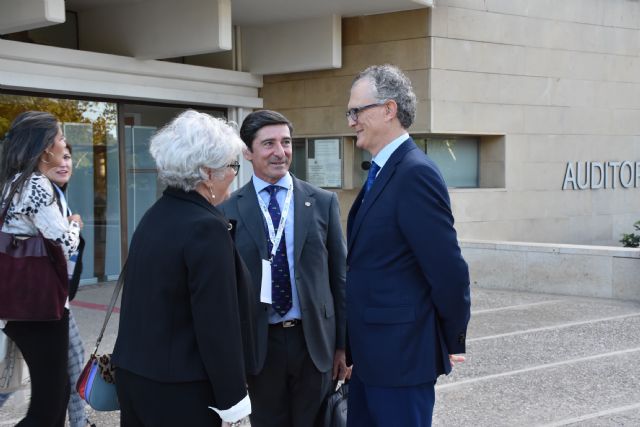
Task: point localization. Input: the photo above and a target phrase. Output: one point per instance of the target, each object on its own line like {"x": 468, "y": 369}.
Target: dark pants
{"x": 45, "y": 347}
{"x": 289, "y": 390}
{"x": 371, "y": 406}
{"x": 145, "y": 402}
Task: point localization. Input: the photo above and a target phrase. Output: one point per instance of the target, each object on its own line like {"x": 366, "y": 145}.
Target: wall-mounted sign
{"x": 325, "y": 167}
{"x": 595, "y": 175}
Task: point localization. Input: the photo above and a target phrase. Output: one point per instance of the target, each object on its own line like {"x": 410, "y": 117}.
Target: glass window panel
{"x": 142, "y": 182}
{"x": 457, "y": 159}
{"x": 143, "y": 188}
{"x": 318, "y": 161}
{"x": 91, "y": 130}
{"x": 299, "y": 158}
{"x": 81, "y": 191}
{"x": 112, "y": 213}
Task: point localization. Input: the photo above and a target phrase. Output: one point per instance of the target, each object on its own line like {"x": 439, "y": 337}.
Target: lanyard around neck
{"x": 276, "y": 235}
{"x": 63, "y": 201}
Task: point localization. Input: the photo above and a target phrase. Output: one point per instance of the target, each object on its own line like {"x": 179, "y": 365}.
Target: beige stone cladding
{"x": 316, "y": 101}
{"x": 590, "y": 271}
{"x": 560, "y": 80}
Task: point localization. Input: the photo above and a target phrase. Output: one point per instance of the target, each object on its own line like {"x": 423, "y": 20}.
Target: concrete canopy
{"x": 302, "y": 34}
{"x": 251, "y": 12}
{"x": 29, "y": 14}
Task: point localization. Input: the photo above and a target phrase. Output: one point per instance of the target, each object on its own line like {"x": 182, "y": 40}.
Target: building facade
{"x": 531, "y": 108}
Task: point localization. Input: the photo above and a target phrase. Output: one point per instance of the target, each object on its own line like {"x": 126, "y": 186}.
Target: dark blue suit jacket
{"x": 408, "y": 301}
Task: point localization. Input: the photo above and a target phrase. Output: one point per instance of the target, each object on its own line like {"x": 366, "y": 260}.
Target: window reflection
{"x": 90, "y": 127}
{"x": 456, "y": 156}
{"x": 143, "y": 188}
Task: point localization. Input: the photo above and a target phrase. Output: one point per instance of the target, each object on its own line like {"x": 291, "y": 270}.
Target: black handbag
{"x": 35, "y": 282}
{"x": 334, "y": 409}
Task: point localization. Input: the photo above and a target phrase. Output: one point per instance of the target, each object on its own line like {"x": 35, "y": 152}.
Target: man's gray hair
{"x": 191, "y": 142}
{"x": 391, "y": 83}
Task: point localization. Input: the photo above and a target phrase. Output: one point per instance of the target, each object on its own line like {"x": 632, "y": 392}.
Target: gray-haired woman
{"x": 179, "y": 354}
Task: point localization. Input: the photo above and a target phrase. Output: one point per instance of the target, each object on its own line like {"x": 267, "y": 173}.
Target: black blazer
{"x": 182, "y": 318}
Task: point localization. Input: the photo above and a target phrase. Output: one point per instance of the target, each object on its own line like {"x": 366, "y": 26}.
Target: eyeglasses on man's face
{"x": 235, "y": 166}
{"x": 352, "y": 113}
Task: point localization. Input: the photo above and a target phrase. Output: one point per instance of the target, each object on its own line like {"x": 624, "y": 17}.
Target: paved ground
{"x": 533, "y": 360}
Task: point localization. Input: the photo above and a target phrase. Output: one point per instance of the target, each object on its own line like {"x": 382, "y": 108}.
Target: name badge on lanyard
{"x": 275, "y": 235}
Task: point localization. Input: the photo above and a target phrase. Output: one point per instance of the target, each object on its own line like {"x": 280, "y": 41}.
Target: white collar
{"x": 260, "y": 184}
{"x": 383, "y": 155}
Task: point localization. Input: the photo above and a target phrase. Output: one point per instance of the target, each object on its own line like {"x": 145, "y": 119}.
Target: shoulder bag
{"x": 35, "y": 281}
{"x": 97, "y": 384}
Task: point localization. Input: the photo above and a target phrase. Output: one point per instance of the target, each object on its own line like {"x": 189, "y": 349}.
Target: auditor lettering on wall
{"x": 597, "y": 175}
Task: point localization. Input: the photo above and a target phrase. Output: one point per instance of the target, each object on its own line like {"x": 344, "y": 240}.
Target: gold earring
{"x": 213, "y": 196}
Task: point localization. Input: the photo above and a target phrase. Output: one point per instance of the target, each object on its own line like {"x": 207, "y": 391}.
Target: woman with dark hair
{"x": 59, "y": 177}
{"x": 33, "y": 146}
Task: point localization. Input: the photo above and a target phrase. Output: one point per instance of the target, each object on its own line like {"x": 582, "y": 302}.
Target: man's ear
{"x": 247, "y": 154}
{"x": 391, "y": 109}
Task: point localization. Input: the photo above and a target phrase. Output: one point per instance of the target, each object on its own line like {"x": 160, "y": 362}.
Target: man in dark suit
{"x": 288, "y": 233}
{"x": 408, "y": 301}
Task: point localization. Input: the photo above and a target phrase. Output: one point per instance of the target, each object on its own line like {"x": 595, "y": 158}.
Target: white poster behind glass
{"x": 324, "y": 169}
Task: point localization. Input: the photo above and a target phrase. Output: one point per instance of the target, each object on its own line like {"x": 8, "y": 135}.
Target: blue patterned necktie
{"x": 280, "y": 280}
{"x": 373, "y": 171}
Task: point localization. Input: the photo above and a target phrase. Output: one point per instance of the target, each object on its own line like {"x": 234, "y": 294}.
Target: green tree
{"x": 66, "y": 110}
{"x": 102, "y": 116}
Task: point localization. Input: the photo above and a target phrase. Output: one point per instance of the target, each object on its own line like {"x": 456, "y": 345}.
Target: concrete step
{"x": 533, "y": 360}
